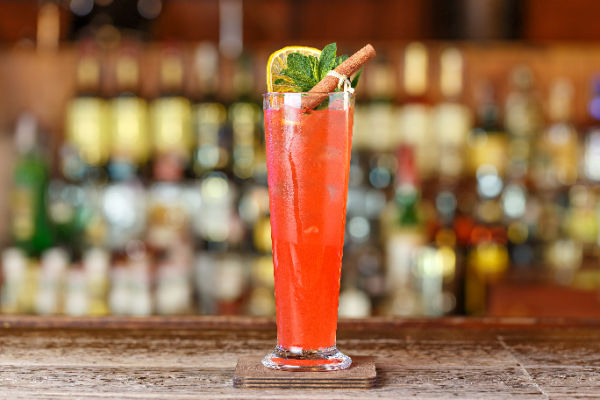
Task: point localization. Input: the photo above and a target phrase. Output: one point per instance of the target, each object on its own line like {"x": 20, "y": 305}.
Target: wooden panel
{"x": 360, "y": 21}
{"x": 545, "y": 20}
{"x": 188, "y": 20}
{"x": 514, "y": 300}
{"x": 39, "y": 82}
{"x": 268, "y": 20}
{"x": 19, "y": 19}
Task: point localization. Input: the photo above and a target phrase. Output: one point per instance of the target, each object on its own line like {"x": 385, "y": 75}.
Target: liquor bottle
{"x": 129, "y": 131}
{"x": 488, "y": 258}
{"x": 28, "y": 294}
{"x": 363, "y": 267}
{"x": 221, "y": 280}
{"x": 354, "y": 303}
{"x": 377, "y": 136}
{"x": 591, "y": 157}
{"x": 244, "y": 117}
{"x": 123, "y": 199}
{"x": 204, "y": 275}
{"x": 96, "y": 264}
{"x": 415, "y": 118}
{"x": 261, "y": 301}
{"x": 581, "y": 219}
{"x": 167, "y": 220}
{"x": 523, "y": 121}
{"x": 253, "y": 210}
{"x": 231, "y": 281}
{"x": 173, "y": 293}
{"x": 451, "y": 120}
{"x": 171, "y": 115}
{"x": 140, "y": 280}
{"x": 375, "y": 132}
{"x": 73, "y": 198}
{"x": 30, "y": 225}
{"x": 209, "y": 115}
{"x": 168, "y": 224}
{"x": 405, "y": 237}
{"x": 487, "y": 142}
{"x": 521, "y": 217}
{"x": 563, "y": 258}
{"x": 120, "y": 293}
{"x": 14, "y": 268}
{"x": 86, "y": 148}
{"x": 429, "y": 281}
{"x": 487, "y": 263}
{"x": 448, "y": 253}
{"x": 557, "y": 152}
{"x": 124, "y": 211}
{"x": 76, "y": 297}
{"x": 49, "y": 299}
{"x": 217, "y": 212}
{"x": 370, "y": 181}
{"x": 70, "y": 211}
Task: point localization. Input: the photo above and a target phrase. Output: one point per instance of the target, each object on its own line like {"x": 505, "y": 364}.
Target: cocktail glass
{"x": 308, "y": 159}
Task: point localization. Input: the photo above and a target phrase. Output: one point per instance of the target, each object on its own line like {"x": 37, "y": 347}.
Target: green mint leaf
{"x": 327, "y": 59}
{"x": 299, "y": 64}
{"x": 303, "y": 82}
{"x": 299, "y": 69}
{"x": 340, "y": 59}
{"x": 356, "y": 78}
{"x": 314, "y": 65}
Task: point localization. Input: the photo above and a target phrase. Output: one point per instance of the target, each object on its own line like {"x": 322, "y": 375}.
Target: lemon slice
{"x": 278, "y": 62}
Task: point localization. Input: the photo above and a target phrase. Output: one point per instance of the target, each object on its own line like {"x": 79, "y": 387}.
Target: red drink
{"x": 308, "y": 157}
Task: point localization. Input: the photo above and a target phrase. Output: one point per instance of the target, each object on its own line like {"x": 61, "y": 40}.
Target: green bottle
{"x": 30, "y": 227}
{"x": 407, "y": 195}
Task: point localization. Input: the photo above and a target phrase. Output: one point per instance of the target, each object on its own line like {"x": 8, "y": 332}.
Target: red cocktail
{"x": 308, "y": 158}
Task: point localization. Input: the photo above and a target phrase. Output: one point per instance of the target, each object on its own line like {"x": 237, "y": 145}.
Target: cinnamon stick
{"x": 329, "y": 83}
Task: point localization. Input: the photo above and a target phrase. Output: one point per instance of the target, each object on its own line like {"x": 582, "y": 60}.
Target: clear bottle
{"x": 452, "y": 120}
{"x": 96, "y": 266}
{"x": 130, "y": 135}
{"x": 556, "y": 162}
{"x": 209, "y": 114}
{"x": 171, "y": 115}
{"x": 14, "y": 269}
{"x": 415, "y": 117}
{"x": 487, "y": 142}
{"x": 87, "y": 145}
{"x": 244, "y": 118}
{"x": 49, "y": 298}
{"x": 405, "y": 238}
{"x": 523, "y": 120}
{"x": 591, "y": 156}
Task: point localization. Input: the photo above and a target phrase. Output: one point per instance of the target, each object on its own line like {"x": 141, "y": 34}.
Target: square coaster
{"x": 250, "y": 373}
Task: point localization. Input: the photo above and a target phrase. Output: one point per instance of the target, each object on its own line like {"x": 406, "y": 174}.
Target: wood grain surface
{"x": 194, "y": 358}
{"x": 250, "y": 373}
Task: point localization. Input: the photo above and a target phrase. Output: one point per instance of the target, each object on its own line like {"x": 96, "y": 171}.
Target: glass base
{"x": 327, "y": 359}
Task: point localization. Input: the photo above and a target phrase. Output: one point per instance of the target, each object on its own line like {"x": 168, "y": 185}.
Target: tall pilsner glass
{"x": 308, "y": 159}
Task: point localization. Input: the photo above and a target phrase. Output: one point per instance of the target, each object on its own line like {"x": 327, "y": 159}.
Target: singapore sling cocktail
{"x": 308, "y": 133}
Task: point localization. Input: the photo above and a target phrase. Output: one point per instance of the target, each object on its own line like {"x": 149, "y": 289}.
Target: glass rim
{"x": 306, "y": 93}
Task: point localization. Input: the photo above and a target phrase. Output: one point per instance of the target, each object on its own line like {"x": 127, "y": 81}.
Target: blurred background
{"x": 132, "y": 164}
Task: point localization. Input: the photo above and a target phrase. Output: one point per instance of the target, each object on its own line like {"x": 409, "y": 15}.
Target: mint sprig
{"x": 304, "y": 72}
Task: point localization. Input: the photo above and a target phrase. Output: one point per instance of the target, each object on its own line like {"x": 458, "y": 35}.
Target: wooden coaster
{"x": 250, "y": 373}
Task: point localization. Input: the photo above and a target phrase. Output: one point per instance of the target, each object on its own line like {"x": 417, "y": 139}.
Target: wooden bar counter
{"x": 194, "y": 358}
